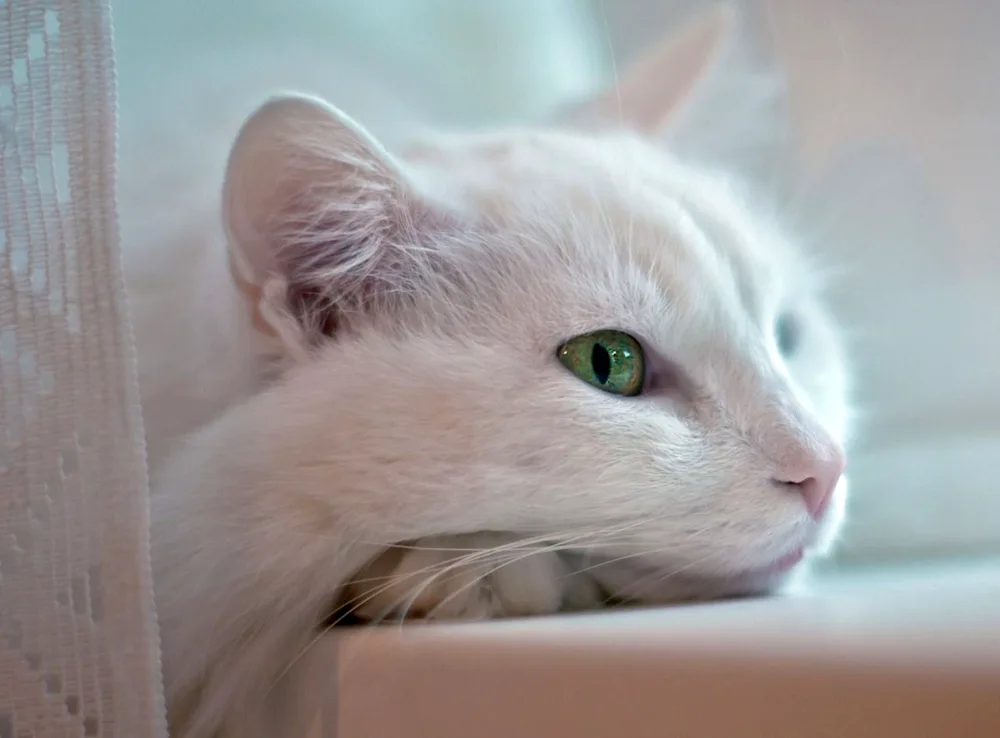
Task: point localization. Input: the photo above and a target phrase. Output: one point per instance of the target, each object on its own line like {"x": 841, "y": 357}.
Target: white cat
{"x": 558, "y": 364}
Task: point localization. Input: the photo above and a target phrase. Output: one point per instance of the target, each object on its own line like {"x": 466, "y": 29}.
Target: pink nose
{"x": 815, "y": 478}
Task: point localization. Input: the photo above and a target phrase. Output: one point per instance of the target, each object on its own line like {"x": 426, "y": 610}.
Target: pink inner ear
{"x": 656, "y": 87}
{"x": 331, "y": 216}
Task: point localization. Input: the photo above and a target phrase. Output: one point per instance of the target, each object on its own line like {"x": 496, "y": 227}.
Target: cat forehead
{"x": 603, "y": 199}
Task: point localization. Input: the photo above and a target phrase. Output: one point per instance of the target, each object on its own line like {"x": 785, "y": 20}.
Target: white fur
{"x": 290, "y": 463}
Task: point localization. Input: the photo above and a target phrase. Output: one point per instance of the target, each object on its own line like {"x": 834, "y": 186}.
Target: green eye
{"x": 609, "y": 360}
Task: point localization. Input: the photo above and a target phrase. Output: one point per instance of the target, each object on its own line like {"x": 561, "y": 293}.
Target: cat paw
{"x": 467, "y": 577}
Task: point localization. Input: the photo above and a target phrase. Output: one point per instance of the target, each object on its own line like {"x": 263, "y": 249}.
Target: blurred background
{"x": 880, "y": 145}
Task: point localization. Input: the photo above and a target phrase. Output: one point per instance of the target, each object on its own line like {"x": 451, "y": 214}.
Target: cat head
{"x": 564, "y": 332}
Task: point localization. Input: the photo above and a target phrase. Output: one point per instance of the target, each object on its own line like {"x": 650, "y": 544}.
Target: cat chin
{"x": 653, "y": 589}
{"x": 637, "y": 582}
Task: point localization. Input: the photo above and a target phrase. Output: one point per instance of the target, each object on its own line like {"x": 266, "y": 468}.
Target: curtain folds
{"x": 78, "y": 641}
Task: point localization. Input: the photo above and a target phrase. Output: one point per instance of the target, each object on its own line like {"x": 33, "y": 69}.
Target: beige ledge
{"x": 913, "y": 653}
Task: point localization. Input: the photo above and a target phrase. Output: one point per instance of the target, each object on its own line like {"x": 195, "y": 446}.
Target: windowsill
{"x": 901, "y": 652}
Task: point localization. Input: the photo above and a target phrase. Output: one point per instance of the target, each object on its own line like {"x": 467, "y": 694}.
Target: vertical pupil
{"x": 600, "y": 360}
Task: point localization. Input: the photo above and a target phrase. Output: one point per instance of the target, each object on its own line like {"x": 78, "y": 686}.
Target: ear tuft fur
{"x": 322, "y": 222}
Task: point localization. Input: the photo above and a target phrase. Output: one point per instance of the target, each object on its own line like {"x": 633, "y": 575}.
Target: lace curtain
{"x": 78, "y": 644}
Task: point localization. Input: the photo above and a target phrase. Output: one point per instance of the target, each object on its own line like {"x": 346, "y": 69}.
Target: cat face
{"x": 425, "y": 301}
{"x": 428, "y": 303}
{"x": 432, "y": 387}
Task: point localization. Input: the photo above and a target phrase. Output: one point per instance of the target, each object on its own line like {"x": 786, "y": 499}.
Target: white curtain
{"x": 78, "y": 643}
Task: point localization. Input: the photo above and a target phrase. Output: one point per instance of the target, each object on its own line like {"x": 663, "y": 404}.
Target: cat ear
{"x": 321, "y": 220}
{"x": 656, "y": 88}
